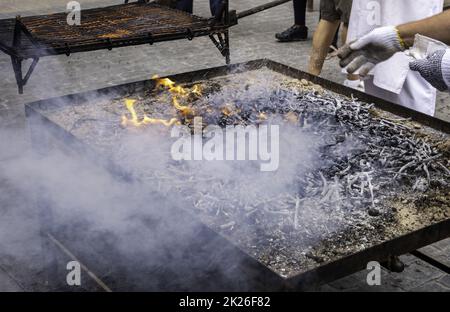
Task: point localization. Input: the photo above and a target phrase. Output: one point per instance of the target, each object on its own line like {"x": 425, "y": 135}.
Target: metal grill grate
{"x": 114, "y": 22}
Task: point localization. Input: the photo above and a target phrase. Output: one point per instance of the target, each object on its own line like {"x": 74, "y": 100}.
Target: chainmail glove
{"x": 431, "y": 69}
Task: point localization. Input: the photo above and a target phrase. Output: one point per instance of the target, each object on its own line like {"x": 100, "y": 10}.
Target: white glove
{"x": 377, "y": 46}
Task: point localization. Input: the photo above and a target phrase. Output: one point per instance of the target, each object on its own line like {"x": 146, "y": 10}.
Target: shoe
{"x": 294, "y": 33}
{"x": 355, "y": 84}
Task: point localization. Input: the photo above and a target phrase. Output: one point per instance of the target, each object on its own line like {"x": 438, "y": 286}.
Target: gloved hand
{"x": 432, "y": 69}
{"x": 377, "y": 46}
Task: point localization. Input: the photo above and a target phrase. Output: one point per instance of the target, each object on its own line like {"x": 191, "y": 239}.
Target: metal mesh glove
{"x": 431, "y": 69}
{"x": 377, "y": 46}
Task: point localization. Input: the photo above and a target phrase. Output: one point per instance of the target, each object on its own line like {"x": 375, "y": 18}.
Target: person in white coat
{"x": 382, "y": 43}
{"x": 392, "y": 78}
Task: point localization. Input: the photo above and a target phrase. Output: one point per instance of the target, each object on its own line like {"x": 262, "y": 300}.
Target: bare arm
{"x": 436, "y": 27}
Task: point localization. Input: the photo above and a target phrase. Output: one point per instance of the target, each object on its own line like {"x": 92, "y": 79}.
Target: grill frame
{"x": 34, "y": 37}
{"x": 270, "y": 280}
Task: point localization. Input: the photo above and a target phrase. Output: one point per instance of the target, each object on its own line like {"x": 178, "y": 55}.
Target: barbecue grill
{"x": 213, "y": 245}
{"x": 128, "y": 24}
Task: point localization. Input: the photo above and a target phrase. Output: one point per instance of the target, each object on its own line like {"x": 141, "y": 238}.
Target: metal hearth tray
{"x": 363, "y": 179}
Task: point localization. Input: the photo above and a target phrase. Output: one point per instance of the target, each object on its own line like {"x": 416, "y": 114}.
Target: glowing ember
{"x": 292, "y": 117}
{"x": 262, "y": 116}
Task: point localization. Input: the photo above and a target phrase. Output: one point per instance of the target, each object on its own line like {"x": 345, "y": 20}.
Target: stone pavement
{"x": 253, "y": 38}
{"x": 8, "y": 283}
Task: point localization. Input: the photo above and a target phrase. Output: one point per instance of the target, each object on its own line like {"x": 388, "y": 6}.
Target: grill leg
{"x": 222, "y": 44}
{"x": 17, "y": 66}
{"x": 16, "y": 60}
{"x": 227, "y": 47}
{"x": 227, "y": 32}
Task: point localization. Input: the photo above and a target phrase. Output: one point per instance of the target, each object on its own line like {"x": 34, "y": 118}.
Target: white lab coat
{"x": 392, "y": 80}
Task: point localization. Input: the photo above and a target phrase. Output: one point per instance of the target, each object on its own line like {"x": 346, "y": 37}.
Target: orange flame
{"x": 178, "y": 93}
{"x": 197, "y": 90}
{"x": 134, "y": 121}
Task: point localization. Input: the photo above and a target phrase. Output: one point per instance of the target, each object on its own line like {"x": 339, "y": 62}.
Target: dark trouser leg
{"x": 188, "y": 6}
{"x": 299, "y": 31}
{"x": 300, "y": 12}
{"x": 214, "y": 6}
{"x": 185, "y": 5}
